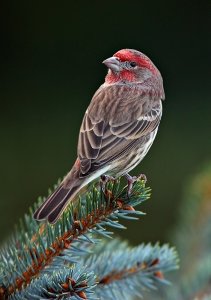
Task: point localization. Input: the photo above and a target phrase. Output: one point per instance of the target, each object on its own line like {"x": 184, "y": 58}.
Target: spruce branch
{"x": 131, "y": 271}
{"x": 42, "y": 260}
{"x": 35, "y": 245}
{"x": 65, "y": 284}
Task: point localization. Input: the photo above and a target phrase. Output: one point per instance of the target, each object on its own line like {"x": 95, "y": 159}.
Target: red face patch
{"x": 124, "y": 75}
{"x": 128, "y": 74}
{"x": 141, "y": 59}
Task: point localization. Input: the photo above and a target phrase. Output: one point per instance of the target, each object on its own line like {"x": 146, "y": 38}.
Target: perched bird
{"x": 117, "y": 130}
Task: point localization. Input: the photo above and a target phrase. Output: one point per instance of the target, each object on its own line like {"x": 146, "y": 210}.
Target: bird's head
{"x": 129, "y": 65}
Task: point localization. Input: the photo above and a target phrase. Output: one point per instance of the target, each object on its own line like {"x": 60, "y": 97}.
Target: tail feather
{"x": 53, "y": 206}
{"x": 58, "y": 209}
{"x": 43, "y": 210}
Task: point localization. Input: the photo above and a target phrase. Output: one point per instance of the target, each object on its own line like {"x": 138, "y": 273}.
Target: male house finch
{"x": 118, "y": 127}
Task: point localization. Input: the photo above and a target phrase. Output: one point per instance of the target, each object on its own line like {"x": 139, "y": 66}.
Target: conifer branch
{"x": 41, "y": 261}
{"x": 35, "y": 246}
{"x": 131, "y": 271}
{"x": 65, "y": 284}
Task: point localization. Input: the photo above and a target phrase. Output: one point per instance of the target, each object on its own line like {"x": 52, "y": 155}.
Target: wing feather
{"x": 102, "y": 140}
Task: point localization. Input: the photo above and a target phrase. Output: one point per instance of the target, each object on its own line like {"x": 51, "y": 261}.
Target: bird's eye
{"x": 133, "y": 64}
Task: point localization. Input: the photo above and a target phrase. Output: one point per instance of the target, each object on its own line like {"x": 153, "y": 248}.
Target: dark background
{"x": 51, "y": 54}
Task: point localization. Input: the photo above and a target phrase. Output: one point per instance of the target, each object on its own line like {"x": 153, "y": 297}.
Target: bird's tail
{"x": 54, "y": 205}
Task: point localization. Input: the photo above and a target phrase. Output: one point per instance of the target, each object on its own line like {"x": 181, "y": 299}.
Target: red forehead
{"x": 141, "y": 59}
{"x": 125, "y": 55}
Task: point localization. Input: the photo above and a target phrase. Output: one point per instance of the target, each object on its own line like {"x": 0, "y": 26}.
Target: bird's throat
{"x": 124, "y": 75}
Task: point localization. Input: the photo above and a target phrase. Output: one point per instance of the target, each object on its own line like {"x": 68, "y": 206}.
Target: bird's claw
{"x": 142, "y": 177}
{"x": 132, "y": 179}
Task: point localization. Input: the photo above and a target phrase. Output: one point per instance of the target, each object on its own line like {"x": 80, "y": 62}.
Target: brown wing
{"x": 112, "y": 124}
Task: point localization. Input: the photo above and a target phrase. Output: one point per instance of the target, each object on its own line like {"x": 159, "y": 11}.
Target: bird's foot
{"x": 132, "y": 179}
{"x": 104, "y": 180}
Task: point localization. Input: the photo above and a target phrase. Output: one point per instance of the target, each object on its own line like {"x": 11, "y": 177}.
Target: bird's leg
{"x": 132, "y": 179}
{"x": 104, "y": 180}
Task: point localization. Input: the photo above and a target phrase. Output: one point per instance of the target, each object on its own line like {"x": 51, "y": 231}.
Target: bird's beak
{"x": 112, "y": 63}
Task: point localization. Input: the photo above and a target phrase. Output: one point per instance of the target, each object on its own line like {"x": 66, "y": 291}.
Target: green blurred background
{"x": 51, "y": 54}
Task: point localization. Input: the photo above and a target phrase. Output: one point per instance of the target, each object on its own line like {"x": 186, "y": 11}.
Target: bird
{"x": 118, "y": 128}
